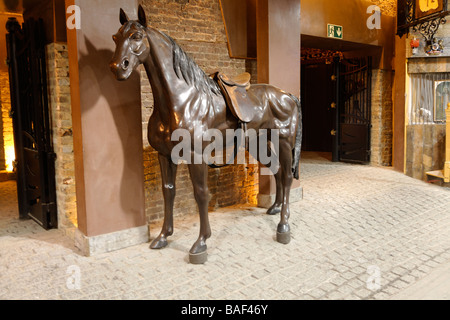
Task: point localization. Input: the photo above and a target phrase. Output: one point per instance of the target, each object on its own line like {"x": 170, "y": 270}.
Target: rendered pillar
{"x": 279, "y": 53}
{"x": 399, "y": 108}
{"x": 447, "y": 148}
{"x": 107, "y": 129}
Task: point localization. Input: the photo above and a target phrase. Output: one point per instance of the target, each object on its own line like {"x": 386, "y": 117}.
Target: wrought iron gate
{"x": 35, "y": 159}
{"x": 354, "y": 109}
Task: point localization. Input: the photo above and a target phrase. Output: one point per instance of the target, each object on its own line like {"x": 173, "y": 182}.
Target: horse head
{"x": 132, "y": 45}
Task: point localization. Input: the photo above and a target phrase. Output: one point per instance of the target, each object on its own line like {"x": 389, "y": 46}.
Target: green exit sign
{"x": 335, "y": 31}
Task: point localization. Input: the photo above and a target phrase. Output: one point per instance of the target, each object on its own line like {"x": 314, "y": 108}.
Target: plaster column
{"x": 447, "y": 148}
{"x": 399, "y": 107}
{"x": 279, "y": 53}
{"x": 107, "y": 130}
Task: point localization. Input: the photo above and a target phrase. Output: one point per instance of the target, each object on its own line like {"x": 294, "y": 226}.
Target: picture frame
{"x": 441, "y": 99}
{"x": 426, "y": 8}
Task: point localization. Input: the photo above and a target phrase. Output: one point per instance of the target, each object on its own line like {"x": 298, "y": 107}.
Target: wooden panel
{"x": 240, "y": 25}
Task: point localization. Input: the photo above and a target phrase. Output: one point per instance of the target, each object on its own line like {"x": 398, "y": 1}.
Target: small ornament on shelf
{"x": 415, "y": 43}
{"x": 435, "y": 47}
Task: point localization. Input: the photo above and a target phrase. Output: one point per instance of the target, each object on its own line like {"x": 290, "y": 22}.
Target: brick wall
{"x": 6, "y": 125}
{"x": 198, "y": 28}
{"x": 61, "y": 112}
{"x": 381, "y": 133}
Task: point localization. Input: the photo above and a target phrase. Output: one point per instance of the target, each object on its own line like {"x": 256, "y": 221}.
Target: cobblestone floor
{"x": 361, "y": 232}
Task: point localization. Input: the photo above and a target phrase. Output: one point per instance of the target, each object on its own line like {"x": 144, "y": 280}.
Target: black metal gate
{"x": 35, "y": 159}
{"x": 353, "y": 115}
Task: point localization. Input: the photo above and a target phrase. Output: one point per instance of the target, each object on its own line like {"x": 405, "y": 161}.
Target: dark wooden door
{"x": 35, "y": 158}
{"x": 317, "y": 99}
{"x": 354, "y": 109}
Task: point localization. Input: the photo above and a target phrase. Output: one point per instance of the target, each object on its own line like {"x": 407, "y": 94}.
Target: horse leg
{"x": 276, "y": 207}
{"x": 168, "y": 175}
{"x": 199, "y": 176}
{"x": 284, "y": 231}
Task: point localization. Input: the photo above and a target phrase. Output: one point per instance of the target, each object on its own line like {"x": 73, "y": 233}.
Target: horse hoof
{"x": 198, "y": 258}
{"x": 284, "y": 238}
{"x": 159, "y": 243}
{"x": 273, "y": 211}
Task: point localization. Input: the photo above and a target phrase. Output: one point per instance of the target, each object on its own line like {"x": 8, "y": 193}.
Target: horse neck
{"x": 166, "y": 86}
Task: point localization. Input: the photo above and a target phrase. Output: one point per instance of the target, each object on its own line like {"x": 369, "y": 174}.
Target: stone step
{"x": 7, "y": 176}
{"x": 437, "y": 177}
{"x": 436, "y": 174}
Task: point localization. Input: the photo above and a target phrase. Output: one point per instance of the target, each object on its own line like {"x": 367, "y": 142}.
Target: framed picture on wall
{"x": 428, "y": 7}
{"x": 441, "y": 99}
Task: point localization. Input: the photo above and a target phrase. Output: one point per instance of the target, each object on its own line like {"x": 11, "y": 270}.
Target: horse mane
{"x": 186, "y": 68}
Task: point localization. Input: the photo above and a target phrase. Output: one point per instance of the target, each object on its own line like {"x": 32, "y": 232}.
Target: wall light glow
{"x": 10, "y": 157}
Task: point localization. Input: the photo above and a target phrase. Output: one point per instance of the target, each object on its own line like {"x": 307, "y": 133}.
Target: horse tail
{"x": 298, "y": 140}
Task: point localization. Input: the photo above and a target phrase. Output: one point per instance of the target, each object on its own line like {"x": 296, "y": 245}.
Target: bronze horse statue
{"x": 186, "y": 98}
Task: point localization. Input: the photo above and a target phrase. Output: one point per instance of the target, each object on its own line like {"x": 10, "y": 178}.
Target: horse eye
{"x": 137, "y": 36}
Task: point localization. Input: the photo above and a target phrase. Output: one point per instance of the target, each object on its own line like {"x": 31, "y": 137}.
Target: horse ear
{"x": 123, "y": 17}
{"x": 142, "y": 17}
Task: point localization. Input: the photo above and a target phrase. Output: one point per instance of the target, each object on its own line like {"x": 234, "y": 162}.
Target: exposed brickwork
{"x": 6, "y": 125}
{"x": 251, "y": 66}
{"x": 61, "y": 111}
{"x": 381, "y": 134}
{"x": 228, "y": 186}
{"x": 198, "y": 28}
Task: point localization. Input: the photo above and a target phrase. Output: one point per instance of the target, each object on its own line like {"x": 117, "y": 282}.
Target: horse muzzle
{"x": 120, "y": 70}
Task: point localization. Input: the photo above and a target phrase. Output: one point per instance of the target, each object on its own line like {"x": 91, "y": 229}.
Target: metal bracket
{"x": 427, "y": 25}
{"x": 429, "y": 28}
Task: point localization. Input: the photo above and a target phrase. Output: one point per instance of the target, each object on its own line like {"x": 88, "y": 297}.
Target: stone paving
{"x": 361, "y": 232}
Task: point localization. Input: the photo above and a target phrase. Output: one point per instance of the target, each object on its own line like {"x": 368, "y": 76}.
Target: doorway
{"x": 318, "y": 95}
{"x": 336, "y": 101}
{"x": 31, "y": 121}
{"x": 354, "y": 109}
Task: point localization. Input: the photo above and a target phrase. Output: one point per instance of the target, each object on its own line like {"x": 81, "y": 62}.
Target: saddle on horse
{"x": 236, "y": 95}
